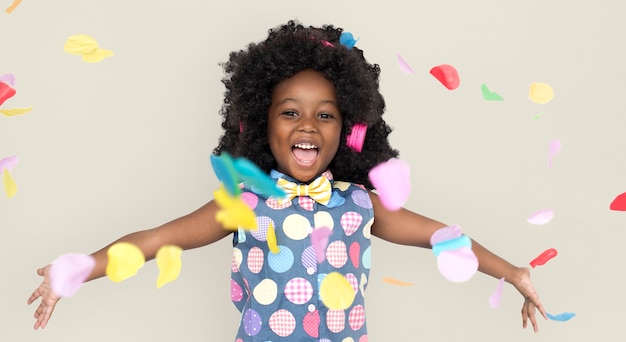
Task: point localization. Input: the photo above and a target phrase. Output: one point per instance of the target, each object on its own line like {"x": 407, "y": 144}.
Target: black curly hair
{"x": 252, "y": 74}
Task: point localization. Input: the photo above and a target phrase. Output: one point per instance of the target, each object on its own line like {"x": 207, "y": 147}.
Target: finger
{"x": 40, "y": 271}
{"x": 524, "y": 316}
{"x": 36, "y": 294}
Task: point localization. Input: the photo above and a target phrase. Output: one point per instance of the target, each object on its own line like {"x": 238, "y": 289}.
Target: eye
{"x": 290, "y": 113}
{"x": 326, "y": 115}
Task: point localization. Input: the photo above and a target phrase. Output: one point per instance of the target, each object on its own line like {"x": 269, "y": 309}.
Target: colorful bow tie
{"x": 320, "y": 190}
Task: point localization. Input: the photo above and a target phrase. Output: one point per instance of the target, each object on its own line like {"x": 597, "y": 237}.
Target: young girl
{"x": 293, "y": 104}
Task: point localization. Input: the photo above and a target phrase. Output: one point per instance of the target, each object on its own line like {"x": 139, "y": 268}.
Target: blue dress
{"x": 278, "y": 293}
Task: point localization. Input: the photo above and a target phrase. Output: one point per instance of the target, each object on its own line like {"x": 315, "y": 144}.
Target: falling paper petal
{"x": 562, "y": 317}
{"x": 392, "y": 182}
{"x": 537, "y": 116}
{"x": 490, "y": 95}
{"x": 97, "y": 56}
{"x": 462, "y": 241}
{"x": 496, "y": 295}
{"x": 15, "y": 111}
{"x": 450, "y": 232}
{"x": 68, "y": 273}
{"x": 6, "y": 92}
{"x": 124, "y": 260}
{"x": 8, "y": 79}
{"x": 272, "y": 244}
{"x": 397, "y": 282}
{"x": 234, "y": 211}
{"x": 87, "y": 47}
{"x": 224, "y": 169}
{"x": 619, "y": 203}
{"x": 459, "y": 265}
{"x": 346, "y": 39}
{"x": 447, "y": 75}
{"x": 249, "y": 173}
{"x": 319, "y": 241}
{"x": 13, "y": 6}
{"x": 336, "y": 292}
{"x": 540, "y": 93}
{"x": 555, "y": 147}
{"x": 8, "y": 162}
{"x": 541, "y": 217}
{"x": 543, "y": 257}
{"x": 404, "y": 65}
{"x": 169, "y": 263}
{"x": 9, "y": 183}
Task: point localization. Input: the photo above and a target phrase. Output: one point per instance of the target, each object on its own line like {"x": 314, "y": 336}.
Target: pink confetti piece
{"x": 8, "y": 163}
{"x": 541, "y": 217}
{"x": 392, "y": 182}
{"x": 404, "y": 66}
{"x": 555, "y": 147}
{"x": 458, "y": 265}
{"x": 8, "y": 79}
{"x": 619, "y": 203}
{"x": 496, "y": 295}
{"x": 446, "y": 233}
{"x": 319, "y": 241}
{"x": 447, "y": 75}
{"x": 68, "y": 272}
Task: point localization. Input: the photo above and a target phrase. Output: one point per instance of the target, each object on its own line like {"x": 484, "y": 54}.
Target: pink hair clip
{"x": 327, "y": 43}
{"x": 356, "y": 138}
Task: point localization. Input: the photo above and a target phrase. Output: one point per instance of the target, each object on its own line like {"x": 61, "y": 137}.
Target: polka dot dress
{"x": 278, "y": 293}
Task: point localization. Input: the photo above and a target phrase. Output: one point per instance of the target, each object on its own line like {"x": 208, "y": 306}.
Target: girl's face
{"x": 304, "y": 125}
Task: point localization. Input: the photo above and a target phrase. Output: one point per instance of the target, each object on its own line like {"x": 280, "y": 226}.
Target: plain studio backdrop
{"x": 124, "y": 144}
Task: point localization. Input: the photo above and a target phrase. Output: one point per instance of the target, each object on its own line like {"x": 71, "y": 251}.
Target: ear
{"x": 355, "y": 139}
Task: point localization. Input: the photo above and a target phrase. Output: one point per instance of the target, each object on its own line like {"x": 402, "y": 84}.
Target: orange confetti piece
{"x": 397, "y": 282}
{"x": 13, "y": 6}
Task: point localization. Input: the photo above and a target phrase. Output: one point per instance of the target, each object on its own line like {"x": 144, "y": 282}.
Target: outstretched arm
{"x": 196, "y": 229}
{"x": 408, "y": 228}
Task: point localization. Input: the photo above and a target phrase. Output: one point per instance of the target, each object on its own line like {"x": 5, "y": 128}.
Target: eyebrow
{"x": 291, "y": 99}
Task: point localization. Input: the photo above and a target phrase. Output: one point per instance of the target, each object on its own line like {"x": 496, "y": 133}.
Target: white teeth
{"x": 306, "y": 146}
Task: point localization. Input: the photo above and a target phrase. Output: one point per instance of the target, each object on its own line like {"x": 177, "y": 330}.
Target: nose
{"x": 308, "y": 123}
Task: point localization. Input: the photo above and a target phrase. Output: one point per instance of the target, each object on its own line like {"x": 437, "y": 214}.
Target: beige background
{"x": 123, "y": 145}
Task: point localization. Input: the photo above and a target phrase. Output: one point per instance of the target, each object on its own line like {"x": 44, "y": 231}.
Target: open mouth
{"x": 305, "y": 153}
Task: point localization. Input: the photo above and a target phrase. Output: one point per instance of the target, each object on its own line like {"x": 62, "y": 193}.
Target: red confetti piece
{"x": 543, "y": 257}
{"x": 619, "y": 203}
{"x": 447, "y": 75}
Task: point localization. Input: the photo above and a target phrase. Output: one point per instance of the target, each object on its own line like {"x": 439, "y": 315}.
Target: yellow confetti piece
{"x": 271, "y": 239}
{"x": 87, "y": 47}
{"x": 397, "y": 282}
{"x": 540, "y": 93}
{"x": 15, "y": 111}
{"x": 9, "y": 183}
{"x": 125, "y": 259}
{"x": 169, "y": 263}
{"x": 336, "y": 292}
{"x": 234, "y": 212}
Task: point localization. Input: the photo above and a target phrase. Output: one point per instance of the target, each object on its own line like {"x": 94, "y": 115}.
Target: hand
{"x": 48, "y": 299}
{"x": 531, "y": 299}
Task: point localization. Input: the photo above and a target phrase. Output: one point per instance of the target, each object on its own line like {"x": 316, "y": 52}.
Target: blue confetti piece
{"x": 346, "y": 39}
{"x": 251, "y": 174}
{"x": 562, "y": 317}
{"x": 225, "y": 172}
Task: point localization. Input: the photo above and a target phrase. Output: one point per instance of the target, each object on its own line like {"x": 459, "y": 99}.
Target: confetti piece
{"x": 125, "y": 259}
{"x": 496, "y": 295}
{"x": 336, "y": 292}
{"x": 443, "y": 234}
{"x": 87, "y": 47}
{"x": 489, "y": 95}
{"x": 537, "y": 116}
{"x": 319, "y": 241}
{"x": 234, "y": 211}
{"x": 540, "y": 93}
{"x": 6, "y": 92}
{"x": 9, "y": 183}
{"x": 404, "y": 66}
{"x": 225, "y": 171}
{"x": 68, "y": 273}
{"x": 397, "y": 282}
{"x": 544, "y": 257}
{"x": 8, "y": 79}
{"x": 459, "y": 265}
{"x": 619, "y": 203}
{"x": 8, "y": 162}
{"x": 169, "y": 263}
{"x": 555, "y": 147}
{"x": 251, "y": 174}
{"x": 392, "y": 182}
{"x": 13, "y": 6}
{"x": 562, "y": 317}
{"x": 462, "y": 241}
{"x": 346, "y": 39}
{"x": 272, "y": 244}
{"x": 541, "y": 217}
{"x": 15, "y": 111}
{"x": 447, "y": 75}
